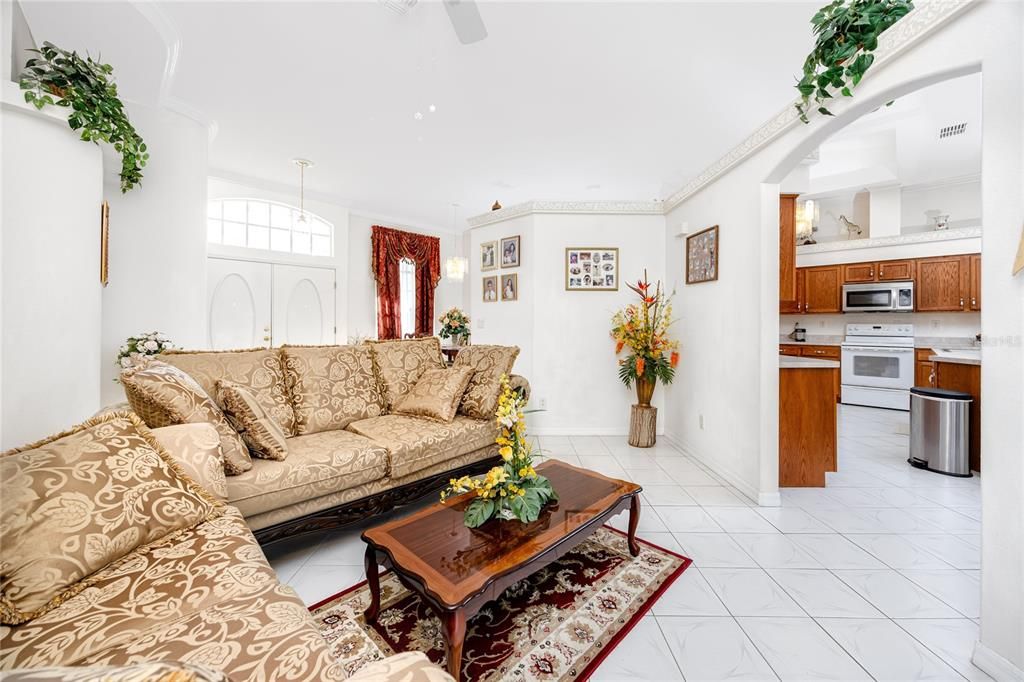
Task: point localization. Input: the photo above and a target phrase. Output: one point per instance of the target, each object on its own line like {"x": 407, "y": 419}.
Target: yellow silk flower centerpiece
{"x": 513, "y": 490}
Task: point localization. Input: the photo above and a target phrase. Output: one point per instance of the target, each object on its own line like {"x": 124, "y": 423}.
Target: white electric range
{"x": 878, "y": 365}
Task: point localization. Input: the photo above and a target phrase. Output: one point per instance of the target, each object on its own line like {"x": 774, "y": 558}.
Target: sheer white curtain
{"x": 407, "y": 291}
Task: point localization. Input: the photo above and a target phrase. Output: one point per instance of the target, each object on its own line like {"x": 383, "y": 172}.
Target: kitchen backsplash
{"x": 925, "y": 324}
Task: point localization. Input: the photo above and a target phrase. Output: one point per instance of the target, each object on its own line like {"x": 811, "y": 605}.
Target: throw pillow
{"x": 157, "y": 386}
{"x": 488, "y": 364}
{"x": 82, "y": 500}
{"x": 331, "y": 386}
{"x": 196, "y": 448}
{"x": 261, "y": 433}
{"x": 400, "y": 364}
{"x": 436, "y": 395}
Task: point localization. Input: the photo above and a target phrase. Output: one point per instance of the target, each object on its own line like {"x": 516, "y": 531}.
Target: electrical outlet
{"x": 700, "y": 421}
{"x": 821, "y": 324}
{"x": 543, "y": 403}
{"x": 481, "y": 323}
{"x": 936, "y": 324}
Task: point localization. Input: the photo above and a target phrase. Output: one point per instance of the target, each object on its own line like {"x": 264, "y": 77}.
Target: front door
{"x": 303, "y": 306}
{"x": 239, "y": 305}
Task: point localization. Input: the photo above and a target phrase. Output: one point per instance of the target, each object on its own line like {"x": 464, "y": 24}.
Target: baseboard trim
{"x": 762, "y": 499}
{"x": 994, "y": 665}
{"x": 580, "y": 431}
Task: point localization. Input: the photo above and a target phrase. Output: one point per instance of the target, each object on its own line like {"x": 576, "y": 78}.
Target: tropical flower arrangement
{"x": 137, "y": 347}
{"x": 455, "y": 325}
{"x": 643, "y": 329}
{"x": 513, "y": 490}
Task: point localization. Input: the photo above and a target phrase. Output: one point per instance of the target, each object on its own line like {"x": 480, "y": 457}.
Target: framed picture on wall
{"x": 489, "y": 255}
{"x": 510, "y": 287}
{"x": 490, "y": 289}
{"x": 510, "y": 252}
{"x": 702, "y": 256}
{"x": 592, "y": 268}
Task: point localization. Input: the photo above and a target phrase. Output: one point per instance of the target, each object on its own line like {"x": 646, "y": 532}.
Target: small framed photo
{"x": 510, "y": 252}
{"x": 490, "y": 289}
{"x": 510, "y": 287}
{"x": 488, "y": 256}
{"x": 592, "y": 268}
{"x": 702, "y": 256}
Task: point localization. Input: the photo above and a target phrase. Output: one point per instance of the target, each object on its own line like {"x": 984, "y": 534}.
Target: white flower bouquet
{"x": 138, "y": 347}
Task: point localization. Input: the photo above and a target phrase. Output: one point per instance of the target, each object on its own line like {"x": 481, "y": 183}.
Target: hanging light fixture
{"x": 303, "y": 164}
{"x": 455, "y": 267}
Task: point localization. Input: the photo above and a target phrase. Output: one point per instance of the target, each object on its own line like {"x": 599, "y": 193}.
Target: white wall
{"x": 51, "y": 190}
{"x": 566, "y": 351}
{"x": 956, "y": 325}
{"x": 730, "y": 366}
{"x": 960, "y": 200}
{"x": 157, "y": 242}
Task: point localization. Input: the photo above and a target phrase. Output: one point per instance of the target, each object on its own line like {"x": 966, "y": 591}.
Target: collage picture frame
{"x": 592, "y": 268}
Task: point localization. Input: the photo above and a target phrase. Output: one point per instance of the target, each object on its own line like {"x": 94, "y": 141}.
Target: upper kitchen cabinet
{"x": 822, "y": 289}
{"x": 788, "y": 300}
{"x": 943, "y": 284}
{"x": 879, "y": 271}
{"x": 975, "y": 282}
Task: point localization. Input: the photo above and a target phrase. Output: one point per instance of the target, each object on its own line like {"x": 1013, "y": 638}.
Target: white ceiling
{"x": 562, "y": 101}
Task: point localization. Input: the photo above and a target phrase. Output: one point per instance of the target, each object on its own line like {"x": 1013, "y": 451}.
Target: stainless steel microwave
{"x": 878, "y": 297}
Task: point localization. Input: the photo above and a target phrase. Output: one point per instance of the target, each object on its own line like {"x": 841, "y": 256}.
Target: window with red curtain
{"x": 389, "y": 246}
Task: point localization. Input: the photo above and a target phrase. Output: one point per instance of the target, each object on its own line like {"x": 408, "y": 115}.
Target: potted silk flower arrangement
{"x": 514, "y": 490}
{"x": 138, "y": 347}
{"x": 643, "y": 329}
{"x": 455, "y": 326}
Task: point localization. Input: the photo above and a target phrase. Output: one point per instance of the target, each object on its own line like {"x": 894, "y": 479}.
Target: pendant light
{"x": 455, "y": 267}
{"x": 303, "y": 164}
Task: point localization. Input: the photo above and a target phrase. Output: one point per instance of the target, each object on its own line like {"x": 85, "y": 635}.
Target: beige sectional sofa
{"x": 348, "y": 456}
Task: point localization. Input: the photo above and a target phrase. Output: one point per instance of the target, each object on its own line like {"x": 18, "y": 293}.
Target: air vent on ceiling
{"x": 398, "y": 6}
{"x": 950, "y": 131}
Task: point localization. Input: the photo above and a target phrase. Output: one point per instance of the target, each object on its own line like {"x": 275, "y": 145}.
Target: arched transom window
{"x": 268, "y": 225}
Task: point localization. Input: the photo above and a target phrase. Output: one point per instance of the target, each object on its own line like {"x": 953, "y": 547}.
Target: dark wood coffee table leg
{"x": 454, "y": 634}
{"x": 634, "y": 520}
{"x": 373, "y": 582}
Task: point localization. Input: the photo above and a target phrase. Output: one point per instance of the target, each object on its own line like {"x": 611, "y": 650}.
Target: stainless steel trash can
{"x": 940, "y": 430}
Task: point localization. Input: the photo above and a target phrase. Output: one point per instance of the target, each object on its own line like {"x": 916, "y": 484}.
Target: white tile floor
{"x": 874, "y": 576}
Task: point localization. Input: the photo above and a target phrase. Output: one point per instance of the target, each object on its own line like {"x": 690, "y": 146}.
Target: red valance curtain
{"x": 389, "y": 246}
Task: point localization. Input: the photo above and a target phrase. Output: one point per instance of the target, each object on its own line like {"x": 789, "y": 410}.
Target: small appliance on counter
{"x": 878, "y": 365}
{"x": 798, "y": 334}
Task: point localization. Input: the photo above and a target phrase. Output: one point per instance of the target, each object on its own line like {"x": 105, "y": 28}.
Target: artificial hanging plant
{"x": 846, "y": 36}
{"x": 65, "y": 79}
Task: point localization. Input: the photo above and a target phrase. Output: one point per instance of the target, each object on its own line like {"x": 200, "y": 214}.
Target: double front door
{"x": 253, "y": 304}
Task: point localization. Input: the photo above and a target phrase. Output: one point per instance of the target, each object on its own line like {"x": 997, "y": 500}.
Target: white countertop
{"x": 796, "y": 362}
{"x": 963, "y": 357}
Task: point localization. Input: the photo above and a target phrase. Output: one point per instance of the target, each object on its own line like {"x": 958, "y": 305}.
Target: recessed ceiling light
{"x": 431, "y": 108}
{"x": 593, "y": 187}
{"x": 418, "y": 116}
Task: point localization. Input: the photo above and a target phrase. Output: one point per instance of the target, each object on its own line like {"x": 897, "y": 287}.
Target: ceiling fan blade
{"x": 465, "y": 18}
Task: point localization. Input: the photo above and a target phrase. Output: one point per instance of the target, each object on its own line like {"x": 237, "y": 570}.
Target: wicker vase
{"x": 644, "y": 391}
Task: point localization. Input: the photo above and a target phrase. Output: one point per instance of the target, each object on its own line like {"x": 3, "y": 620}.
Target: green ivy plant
{"x": 846, "y": 35}
{"x": 64, "y": 79}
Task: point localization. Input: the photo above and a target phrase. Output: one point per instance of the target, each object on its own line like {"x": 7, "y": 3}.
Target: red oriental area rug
{"x": 558, "y": 624}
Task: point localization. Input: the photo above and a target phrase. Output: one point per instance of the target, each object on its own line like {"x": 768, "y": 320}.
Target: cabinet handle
{"x": 871, "y": 272}
{"x": 961, "y": 301}
{"x": 931, "y": 378}
{"x": 974, "y": 302}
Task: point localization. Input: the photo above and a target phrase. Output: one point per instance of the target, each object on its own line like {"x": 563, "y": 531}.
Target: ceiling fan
{"x": 464, "y": 15}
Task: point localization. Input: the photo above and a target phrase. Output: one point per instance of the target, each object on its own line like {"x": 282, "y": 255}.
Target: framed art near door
{"x": 488, "y": 256}
{"x": 510, "y": 248}
{"x": 510, "y": 287}
{"x": 702, "y": 256}
{"x": 592, "y": 268}
{"x": 490, "y": 289}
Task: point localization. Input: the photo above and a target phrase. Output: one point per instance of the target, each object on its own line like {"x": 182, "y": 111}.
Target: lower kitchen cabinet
{"x": 807, "y": 426}
{"x": 955, "y": 376}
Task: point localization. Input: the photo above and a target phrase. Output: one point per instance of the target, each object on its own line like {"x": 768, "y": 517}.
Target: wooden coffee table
{"x": 456, "y": 570}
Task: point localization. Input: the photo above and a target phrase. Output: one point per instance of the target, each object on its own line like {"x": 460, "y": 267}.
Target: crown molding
{"x": 928, "y": 16}
{"x": 584, "y": 207}
{"x": 895, "y": 240}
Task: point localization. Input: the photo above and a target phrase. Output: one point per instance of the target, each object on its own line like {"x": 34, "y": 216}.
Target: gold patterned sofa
{"x": 350, "y": 455}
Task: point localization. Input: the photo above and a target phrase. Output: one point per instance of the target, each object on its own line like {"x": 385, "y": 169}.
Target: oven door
{"x": 869, "y": 297}
{"x": 876, "y": 367}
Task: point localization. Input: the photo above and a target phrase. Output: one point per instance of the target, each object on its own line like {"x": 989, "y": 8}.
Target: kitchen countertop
{"x": 812, "y": 340}
{"x": 957, "y": 359}
{"x": 958, "y": 342}
{"x": 795, "y": 362}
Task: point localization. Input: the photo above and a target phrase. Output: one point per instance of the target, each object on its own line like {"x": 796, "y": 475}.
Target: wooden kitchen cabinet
{"x": 790, "y": 349}
{"x": 943, "y": 284}
{"x": 924, "y": 370}
{"x": 788, "y": 301}
{"x": 894, "y": 270}
{"x": 974, "y": 286}
{"x": 822, "y": 289}
{"x": 855, "y": 273}
{"x": 807, "y": 426}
